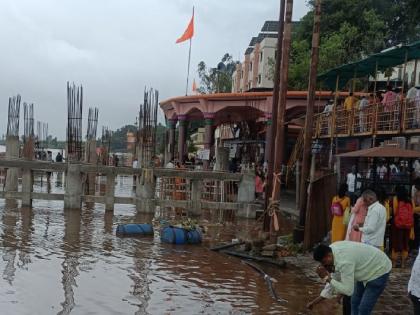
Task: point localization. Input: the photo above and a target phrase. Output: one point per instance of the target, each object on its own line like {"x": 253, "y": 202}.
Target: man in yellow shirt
{"x": 350, "y": 102}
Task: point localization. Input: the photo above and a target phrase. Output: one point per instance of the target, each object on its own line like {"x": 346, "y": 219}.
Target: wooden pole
{"x": 413, "y": 82}
{"x": 332, "y": 126}
{"x": 274, "y": 107}
{"x": 404, "y": 71}
{"x": 279, "y": 144}
{"x": 307, "y": 149}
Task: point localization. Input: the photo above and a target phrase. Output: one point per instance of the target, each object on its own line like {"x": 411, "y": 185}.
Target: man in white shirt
{"x": 414, "y": 285}
{"x": 353, "y": 184}
{"x": 373, "y": 230}
{"x": 381, "y": 171}
{"x": 364, "y": 103}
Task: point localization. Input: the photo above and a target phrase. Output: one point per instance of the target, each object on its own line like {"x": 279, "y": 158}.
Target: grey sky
{"x": 114, "y": 48}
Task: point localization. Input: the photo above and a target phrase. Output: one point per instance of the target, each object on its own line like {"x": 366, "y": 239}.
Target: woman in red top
{"x": 400, "y": 229}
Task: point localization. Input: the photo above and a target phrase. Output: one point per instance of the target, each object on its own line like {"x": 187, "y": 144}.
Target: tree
{"x": 217, "y": 79}
{"x": 350, "y": 30}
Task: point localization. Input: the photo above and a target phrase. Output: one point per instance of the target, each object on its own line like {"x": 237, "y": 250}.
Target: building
{"x": 411, "y": 76}
{"x": 254, "y": 72}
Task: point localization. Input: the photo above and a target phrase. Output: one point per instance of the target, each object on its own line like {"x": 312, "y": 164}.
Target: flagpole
{"x": 188, "y": 68}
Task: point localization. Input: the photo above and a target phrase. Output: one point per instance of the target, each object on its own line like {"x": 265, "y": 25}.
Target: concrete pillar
{"x": 12, "y": 152}
{"x": 222, "y": 159}
{"x": 91, "y": 158}
{"x": 208, "y": 137}
{"x": 110, "y": 192}
{"x": 171, "y": 139}
{"x": 74, "y": 190}
{"x": 246, "y": 189}
{"x": 145, "y": 192}
{"x": 182, "y": 137}
{"x": 246, "y": 196}
{"x": 196, "y": 187}
{"x": 27, "y": 187}
{"x": 268, "y": 135}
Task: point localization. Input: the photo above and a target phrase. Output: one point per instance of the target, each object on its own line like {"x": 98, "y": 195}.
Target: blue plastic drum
{"x": 180, "y": 236}
{"x": 135, "y": 229}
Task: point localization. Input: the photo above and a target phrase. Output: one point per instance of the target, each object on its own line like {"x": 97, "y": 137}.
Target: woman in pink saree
{"x": 358, "y": 215}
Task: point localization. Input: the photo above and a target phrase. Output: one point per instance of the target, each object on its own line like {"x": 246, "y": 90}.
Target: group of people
{"x": 356, "y": 265}
{"x": 390, "y": 101}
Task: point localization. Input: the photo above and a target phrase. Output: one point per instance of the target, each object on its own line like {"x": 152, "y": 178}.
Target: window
{"x": 275, "y": 54}
{"x": 261, "y": 56}
{"x": 259, "y": 79}
{"x": 242, "y": 74}
{"x": 250, "y": 66}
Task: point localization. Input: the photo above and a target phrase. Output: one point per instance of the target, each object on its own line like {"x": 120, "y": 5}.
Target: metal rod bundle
{"x": 92, "y": 123}
{"x": 28, "y": 114}
{"x": 41, "y": 134}
{"x": 13, "y": 116}
{"x": 147, "y": 127}
{"x": 74, "y": 121}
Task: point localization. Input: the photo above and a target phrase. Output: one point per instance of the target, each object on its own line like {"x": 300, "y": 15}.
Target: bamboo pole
{"x": 274, "y": 106}
{"x": 279, "y": 144}
{"x": 304, "y": 197}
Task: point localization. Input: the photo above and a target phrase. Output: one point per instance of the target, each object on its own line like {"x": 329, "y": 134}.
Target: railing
{"x": 168, "y": 188}
{"x": 375, "y": 119}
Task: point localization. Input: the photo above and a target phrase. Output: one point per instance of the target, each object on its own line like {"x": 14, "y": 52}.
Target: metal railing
{"x": 375, "y": 119}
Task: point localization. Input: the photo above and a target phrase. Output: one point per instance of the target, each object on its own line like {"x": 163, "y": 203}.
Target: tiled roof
{"x": 253, "y": 41}
{"x": 270, "y": 26}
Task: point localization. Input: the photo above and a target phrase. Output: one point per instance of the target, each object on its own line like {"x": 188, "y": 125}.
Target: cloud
{"x": 114, "y": 48}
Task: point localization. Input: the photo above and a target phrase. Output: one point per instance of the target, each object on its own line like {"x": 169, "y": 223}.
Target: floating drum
{"x": 179, "y": 236}
{"x": 135, "y": 229}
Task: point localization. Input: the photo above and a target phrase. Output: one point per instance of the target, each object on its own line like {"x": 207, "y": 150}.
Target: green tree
{"x": 350, "y": 30}
{"x": 217, "y": 79}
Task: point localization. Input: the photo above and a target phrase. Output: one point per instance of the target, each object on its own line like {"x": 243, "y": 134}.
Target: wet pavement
{"x": 70, "y": 262}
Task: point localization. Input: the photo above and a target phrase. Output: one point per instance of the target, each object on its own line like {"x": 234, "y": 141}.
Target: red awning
{"x": 383, "y": 152}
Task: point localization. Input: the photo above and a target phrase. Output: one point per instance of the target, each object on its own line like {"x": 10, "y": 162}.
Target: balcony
{"x": 376, "y": 119}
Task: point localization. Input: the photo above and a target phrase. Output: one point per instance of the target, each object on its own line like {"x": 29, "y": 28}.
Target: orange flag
{"x": 189, "y": 32}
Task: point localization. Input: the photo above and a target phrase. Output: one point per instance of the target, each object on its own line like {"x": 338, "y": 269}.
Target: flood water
{"x": 71, "y": 262}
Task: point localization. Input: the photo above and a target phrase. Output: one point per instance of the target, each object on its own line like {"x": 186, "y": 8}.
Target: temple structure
{"x": 232, "y": 110}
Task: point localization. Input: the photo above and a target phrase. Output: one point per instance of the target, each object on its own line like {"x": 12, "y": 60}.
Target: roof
{"x": 249, "y": 50}
{"x": 383, "y": 152}
{"x": 261, "y": 36}
{"x": 245, "y": 95}
{"x": 270, "y": 26}
{"x": 253, "y": 41}
{"x": 368, "y": 66}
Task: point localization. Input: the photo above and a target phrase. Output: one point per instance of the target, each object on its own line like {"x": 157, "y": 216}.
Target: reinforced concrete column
{"x": 27, "y": 187}
{"x": 268, "y": 135}
{"x": 196, "y": 187}
{"x": 12, "y": 152}
{"x": 74, "y": 187}
{"x": 208, "y": 136}
{"x": 182, "y": 137}
{"x": 145, "y": 192}
{"x": 171, "y": 139}
{"x": 91, "y": 158}
{"x": 110, "y": 192}
{"x": 246, "y": 196}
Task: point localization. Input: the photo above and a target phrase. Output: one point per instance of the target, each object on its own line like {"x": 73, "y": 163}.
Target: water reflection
{"x": 71, "y": 262}
{"x": 71, "y": 248}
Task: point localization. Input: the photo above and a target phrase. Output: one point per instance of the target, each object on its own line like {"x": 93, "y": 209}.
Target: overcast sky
{"x": 114, "y": 48}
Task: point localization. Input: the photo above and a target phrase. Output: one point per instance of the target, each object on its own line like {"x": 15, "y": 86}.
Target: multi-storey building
{"x": 255, "y": 72}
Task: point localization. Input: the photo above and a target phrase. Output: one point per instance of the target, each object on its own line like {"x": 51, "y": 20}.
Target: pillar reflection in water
{"x": 9, "y": 239}
{"x": 71, "y": 249}
{"x": 26, "y": 230}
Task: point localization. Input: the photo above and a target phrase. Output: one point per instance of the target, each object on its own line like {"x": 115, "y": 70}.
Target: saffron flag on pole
{"x": 189, "y": 32}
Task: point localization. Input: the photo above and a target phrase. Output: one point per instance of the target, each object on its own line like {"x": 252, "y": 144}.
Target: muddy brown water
{"x": 71, "y": 262}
